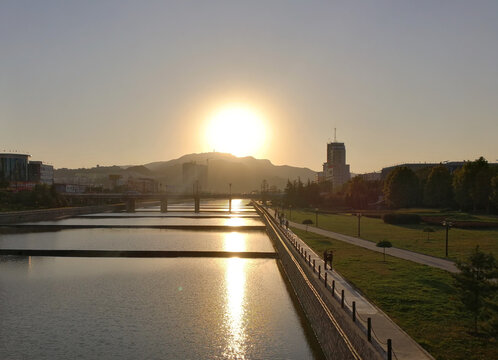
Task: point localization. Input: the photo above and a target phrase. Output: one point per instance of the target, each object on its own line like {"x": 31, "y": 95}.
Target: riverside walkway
{"x": 393, "y": 251}
{"x": 383, "y": 327}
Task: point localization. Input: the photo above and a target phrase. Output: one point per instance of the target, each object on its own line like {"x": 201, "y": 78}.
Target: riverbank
{"x": 420, "y": 299}
{"x": 14, "y": 217}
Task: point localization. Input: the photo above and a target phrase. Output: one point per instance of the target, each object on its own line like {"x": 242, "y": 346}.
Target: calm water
{"x": 122, "y": 308}
{"x": 156, "y": 213}
{"x": 234, "y": 221}
{"x": 139, "y": 239}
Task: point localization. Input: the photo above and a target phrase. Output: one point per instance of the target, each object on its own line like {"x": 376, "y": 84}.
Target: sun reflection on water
{"x": 235, "y": 297}
{"x": 234, "y": 241}
{"x": 236, "y": 204}
{"x": 235, "y": 309}
{"x": 233, "y": 221}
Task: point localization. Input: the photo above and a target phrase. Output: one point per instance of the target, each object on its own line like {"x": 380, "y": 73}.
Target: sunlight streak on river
{"x": 235, "y": 297}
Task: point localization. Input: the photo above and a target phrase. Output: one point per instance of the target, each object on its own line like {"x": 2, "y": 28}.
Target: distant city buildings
{"x": 22, "y": 174}
{"x": 372, "y": 176}
{"x": 40, "y": 173}
{"x": 70, "y": 188}
{"x": 14, "y": 167}
{"x": 335, "y": 170}
{"x": 142, "y": 185}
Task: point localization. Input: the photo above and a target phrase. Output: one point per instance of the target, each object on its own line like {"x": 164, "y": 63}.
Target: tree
{"x": 490, "y": 316}
{"x": 360, "y": 192}
{"x": 475, "y": 282}
{"x": 494, "y": 192}
{"x": 384, "y": 245}
{"x": 401, "y": 188}
{"x": 307, "y": 222}
{"x": 438, "y": 188}
{"x": 472, "y": 185}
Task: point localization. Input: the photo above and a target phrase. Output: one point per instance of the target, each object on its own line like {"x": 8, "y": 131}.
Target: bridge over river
{"x": 132, "y": 198}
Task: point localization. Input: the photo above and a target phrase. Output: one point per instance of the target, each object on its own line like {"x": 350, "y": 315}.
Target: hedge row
{"x": 401, "y": 219}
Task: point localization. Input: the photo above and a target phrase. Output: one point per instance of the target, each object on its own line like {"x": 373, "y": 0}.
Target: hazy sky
{"x": 130, "y": 82}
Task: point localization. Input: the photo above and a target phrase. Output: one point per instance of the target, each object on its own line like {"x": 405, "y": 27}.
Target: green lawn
{"x": 420, "y": 299}
{"x": 410, "y": 237}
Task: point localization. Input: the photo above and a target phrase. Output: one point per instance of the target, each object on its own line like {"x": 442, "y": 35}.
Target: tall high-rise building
{"x": 194, "y": 173}
{"x": 335, "y": 169}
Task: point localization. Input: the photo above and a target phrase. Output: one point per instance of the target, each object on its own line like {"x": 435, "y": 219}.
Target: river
{"x": 150, "y": 308}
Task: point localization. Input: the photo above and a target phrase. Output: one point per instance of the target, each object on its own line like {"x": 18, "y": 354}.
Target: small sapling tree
{"x": 307, "y": 222}
{"x": 384, "y": 245}
{"x": 475, "y": 282}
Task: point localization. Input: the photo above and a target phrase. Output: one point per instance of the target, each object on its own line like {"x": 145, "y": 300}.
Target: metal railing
{"x": 279, "y": 236}
{"x": 384, "y": 347}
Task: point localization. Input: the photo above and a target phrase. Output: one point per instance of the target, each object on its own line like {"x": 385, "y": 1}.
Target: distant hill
{"x": 245, "y": 173}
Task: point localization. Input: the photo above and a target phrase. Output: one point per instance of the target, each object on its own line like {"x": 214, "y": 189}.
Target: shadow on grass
{"x": 438, "y": 284}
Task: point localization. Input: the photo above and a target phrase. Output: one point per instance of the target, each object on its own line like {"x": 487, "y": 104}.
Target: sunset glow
{"x": 236, "y": 129}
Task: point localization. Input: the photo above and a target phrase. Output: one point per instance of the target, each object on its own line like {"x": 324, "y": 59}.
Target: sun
{"x": 236, "y": 129}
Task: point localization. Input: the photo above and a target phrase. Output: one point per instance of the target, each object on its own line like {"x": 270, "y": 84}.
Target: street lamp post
{"x": 290, "y": 212}
{"x": 447, "y": 225}
{"x": 230, "y": 198}
{"x": 359, "y": 218}
{"x": 316, "y": 217}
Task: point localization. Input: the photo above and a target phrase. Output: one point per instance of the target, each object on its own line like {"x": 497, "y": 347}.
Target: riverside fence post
{"x": 389, "y": 349}
{"x": 369, "y": 332}
{"x": 319, "y": 271}
{"x": 333, "y": 288}
{"x": 354, "y": 311}
{"x": 342, "y": 298}
{"x": 325, "y": 279}
{"x": 313, "y": 265}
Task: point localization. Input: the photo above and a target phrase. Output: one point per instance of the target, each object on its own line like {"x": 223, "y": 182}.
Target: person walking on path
{"x": 328, "y": 258}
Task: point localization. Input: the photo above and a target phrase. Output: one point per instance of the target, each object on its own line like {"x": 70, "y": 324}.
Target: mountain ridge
{"x": 244, "y": 173}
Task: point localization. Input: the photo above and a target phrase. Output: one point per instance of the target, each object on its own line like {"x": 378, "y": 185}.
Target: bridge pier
{"x": 130, "y": 205}
{"x": 164, "y": 204}
{"x": 197, "y": 204}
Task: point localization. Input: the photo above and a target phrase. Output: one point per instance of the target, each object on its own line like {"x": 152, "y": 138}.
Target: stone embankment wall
{"x": 338, "y": 336}
{"x": 14, "y": 217}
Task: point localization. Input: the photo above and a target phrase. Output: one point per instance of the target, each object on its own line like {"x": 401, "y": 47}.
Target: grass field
{"x": 410, "y": 237}
{"x": 420, "y": 299}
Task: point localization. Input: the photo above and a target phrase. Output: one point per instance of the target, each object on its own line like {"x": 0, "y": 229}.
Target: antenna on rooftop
{"x": 335, "y": 135}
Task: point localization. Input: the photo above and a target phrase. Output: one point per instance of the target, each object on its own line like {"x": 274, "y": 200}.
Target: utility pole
{"x": 447, "y": 225}
{"x": 359, "y": 218}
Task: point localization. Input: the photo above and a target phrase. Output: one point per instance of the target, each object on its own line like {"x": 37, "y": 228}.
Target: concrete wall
{"x": 338, "y": 336}
{"x": 14, "y": 217}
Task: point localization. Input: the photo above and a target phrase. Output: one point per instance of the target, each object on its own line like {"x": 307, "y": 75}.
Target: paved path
{"x": 383, "y": 327}
{"x": 396, "y": 252}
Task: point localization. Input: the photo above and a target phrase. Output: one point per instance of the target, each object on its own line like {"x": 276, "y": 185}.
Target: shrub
{"x": 401, "y": 219}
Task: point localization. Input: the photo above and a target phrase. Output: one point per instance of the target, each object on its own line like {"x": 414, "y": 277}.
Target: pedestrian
{"x": 287, "y": 224}
{"x": 328, "y": 257}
